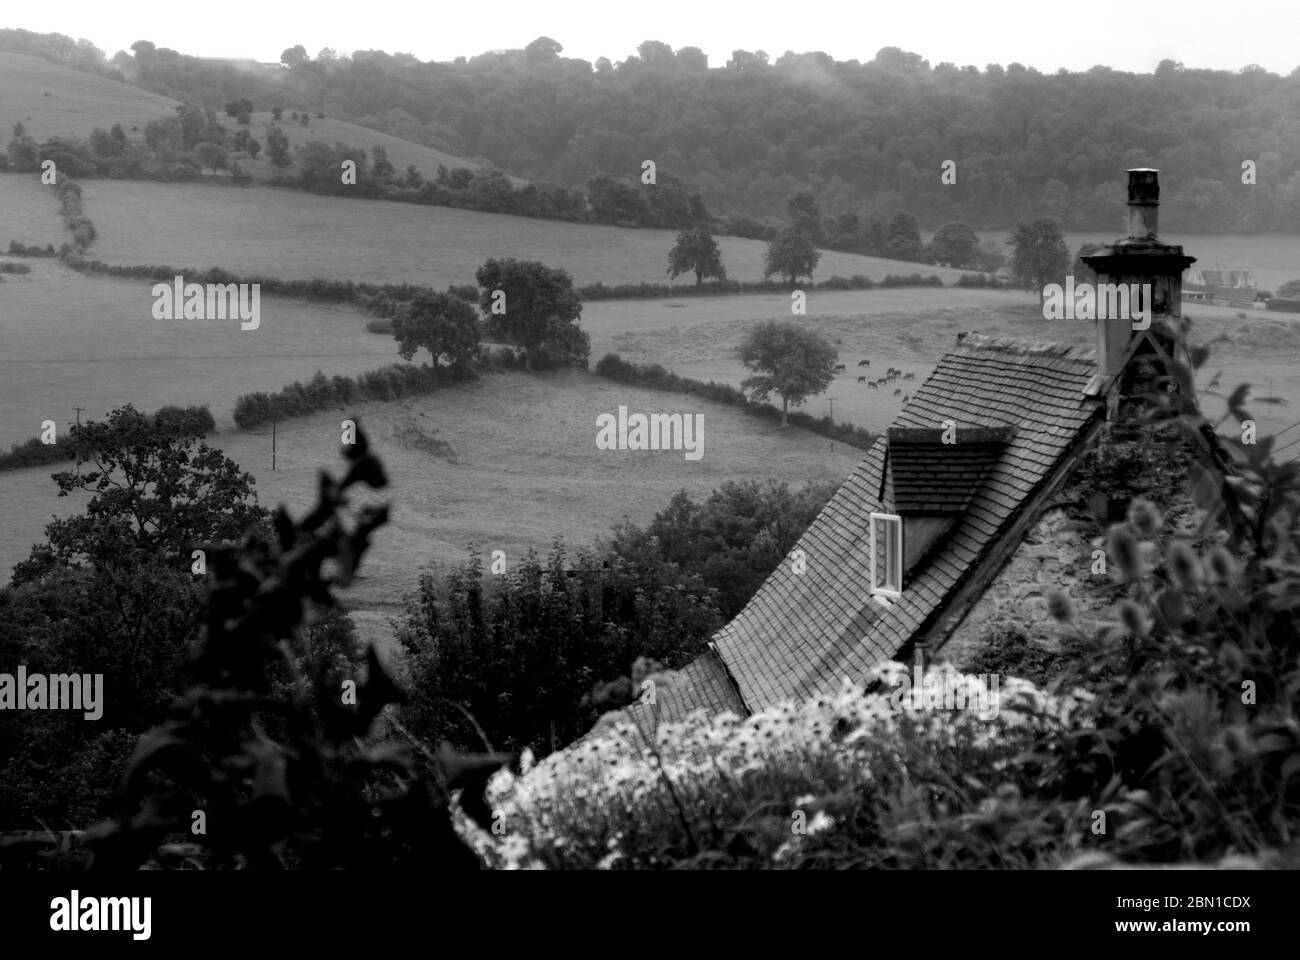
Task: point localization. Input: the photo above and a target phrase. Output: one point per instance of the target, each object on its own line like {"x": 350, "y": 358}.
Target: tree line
{"x": 860, "y": 136}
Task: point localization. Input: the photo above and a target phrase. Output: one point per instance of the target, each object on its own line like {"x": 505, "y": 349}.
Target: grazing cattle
{"x": 839, "y": 368}
{"x": 864, "y": 363}
{"x": 862, "y": 379}
{"x": 898, "y": 392}
{"x": 871, "y": 385}
{"x": 909, "y": 376}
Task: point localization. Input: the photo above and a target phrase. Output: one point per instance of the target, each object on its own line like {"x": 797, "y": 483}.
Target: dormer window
{"x": 886, "y": 555}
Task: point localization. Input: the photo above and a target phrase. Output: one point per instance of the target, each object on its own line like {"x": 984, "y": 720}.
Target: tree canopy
{"x": 788, "y": 360}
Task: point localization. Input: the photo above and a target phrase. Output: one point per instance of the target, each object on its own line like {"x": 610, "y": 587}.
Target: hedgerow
{"x": 656, "y": 377}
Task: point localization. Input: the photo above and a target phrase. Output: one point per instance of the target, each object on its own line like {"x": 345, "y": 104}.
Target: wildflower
{"x": 1144, "y": 517}
{"x": 1124, "y": 549}
{"x": 1184, "y": 566}
{"x": 820, "y": 822}
{"x": 1060, "y": 606}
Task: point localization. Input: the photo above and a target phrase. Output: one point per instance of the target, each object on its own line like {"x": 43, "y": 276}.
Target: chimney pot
{"x": 1143, "y": 203}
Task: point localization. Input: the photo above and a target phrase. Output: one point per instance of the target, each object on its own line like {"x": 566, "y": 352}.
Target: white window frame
{"x": 877, "y": 520}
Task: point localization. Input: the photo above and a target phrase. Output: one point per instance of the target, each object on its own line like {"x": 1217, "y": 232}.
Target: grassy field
{"x": 909, "y": 329}
{"x": 30, "y": 212}
{"x": 523, "y": 468}
{"x": 55, "y": 101}
{"x": 303, "y": 236}
{"x": 67, "y": 340}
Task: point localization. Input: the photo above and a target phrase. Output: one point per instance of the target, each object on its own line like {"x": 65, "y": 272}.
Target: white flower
{"x": 821, "y": 821}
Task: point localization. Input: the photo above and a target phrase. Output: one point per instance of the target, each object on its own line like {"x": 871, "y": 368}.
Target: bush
{"x": 196, "y": 421}
{"x": 33, "y": 453}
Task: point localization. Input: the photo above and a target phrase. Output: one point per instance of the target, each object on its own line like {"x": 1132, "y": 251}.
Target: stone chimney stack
{"x": 1141, "y": 259}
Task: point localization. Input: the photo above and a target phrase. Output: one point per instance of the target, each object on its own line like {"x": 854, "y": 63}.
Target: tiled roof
{"x": 701, "y": 683}
{"x": 801, "y": 634}
{"x": 931, "y": 476}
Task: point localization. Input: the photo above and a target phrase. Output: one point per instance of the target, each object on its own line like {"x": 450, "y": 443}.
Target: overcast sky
{"x": 1123, "y": 34}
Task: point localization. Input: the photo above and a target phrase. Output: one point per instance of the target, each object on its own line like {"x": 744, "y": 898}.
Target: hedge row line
{"x": 34, "y": 453}
{"x": 982, "y": 280}
{"x": 17, "y": 249}
{"x": 382, "y": 299}
{"x": 651, "y": 291}
{"x": 1284, "y": 304}
{"x": 393, "y": 382}
{"x": 655, "y": 377}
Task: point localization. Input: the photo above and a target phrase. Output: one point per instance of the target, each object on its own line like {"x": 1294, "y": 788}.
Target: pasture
{"x": 31, "y": 212}
{"x": 68, "y": 340}
{"x": 291, "y": 234}
{"x": 522, "y": 468}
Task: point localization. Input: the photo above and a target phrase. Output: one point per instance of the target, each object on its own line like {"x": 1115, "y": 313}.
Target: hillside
{"x": 79, "y": 102}
{"x": 401, "y": 153}
{"x": 862, "y": 136}
{"x": 54, "y": 101}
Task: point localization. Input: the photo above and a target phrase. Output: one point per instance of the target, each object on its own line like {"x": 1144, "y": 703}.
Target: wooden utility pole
{"x": 832, "y": 400}
{"x": 77, "y": 445}
{"x": 272, "y": 437}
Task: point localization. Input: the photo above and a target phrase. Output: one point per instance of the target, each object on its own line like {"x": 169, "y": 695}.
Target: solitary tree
{"x": 534, "y": 306}
{"x": 1040, "y": 257}
{"x": 792, "y": 255}
{"x": 788, "y": 360}
{"x": 444, "y": 325}
{"x": 292, "y": 56}
{"x": 696, "y": 252}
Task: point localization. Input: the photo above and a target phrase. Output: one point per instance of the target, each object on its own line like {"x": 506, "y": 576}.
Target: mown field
{"x": 522, "y": 468}
{"x": 29, "y": 212}
{"x": 303, "y": 236}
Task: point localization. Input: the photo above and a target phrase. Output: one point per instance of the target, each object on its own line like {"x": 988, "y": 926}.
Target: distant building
{"x": 1230, "y": 287}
